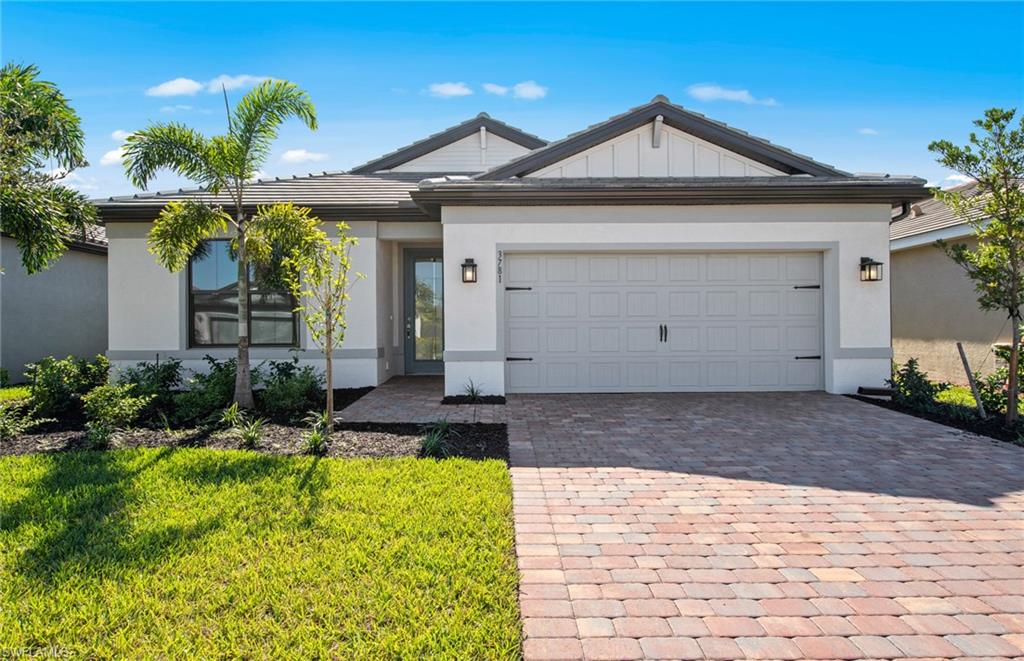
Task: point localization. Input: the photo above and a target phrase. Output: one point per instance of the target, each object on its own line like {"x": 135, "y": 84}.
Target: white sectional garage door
{"x": 663, "y": 322}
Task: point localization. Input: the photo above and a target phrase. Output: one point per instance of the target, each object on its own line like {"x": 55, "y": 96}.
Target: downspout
{"x": 904, "y": 212}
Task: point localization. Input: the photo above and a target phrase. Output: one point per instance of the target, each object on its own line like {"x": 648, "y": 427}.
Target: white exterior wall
{"x": 466, "y": 155}
{"x": 633, "y": 154}
{"x": 148, "y": 307}
{"x": 856, "y": 314}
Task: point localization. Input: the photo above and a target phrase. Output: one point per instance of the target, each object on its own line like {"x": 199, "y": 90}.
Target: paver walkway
{"x": 416, "y": 399}
{"x": 767, "y": 526}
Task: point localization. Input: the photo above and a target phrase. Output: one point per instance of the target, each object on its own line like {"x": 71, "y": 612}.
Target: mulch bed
{"x": 349, "y": 440}
{"x": 466, "y": 399}
{"x": 992, "y": 426}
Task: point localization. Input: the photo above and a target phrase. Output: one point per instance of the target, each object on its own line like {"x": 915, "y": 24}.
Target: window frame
{"x": 189, "y": 295}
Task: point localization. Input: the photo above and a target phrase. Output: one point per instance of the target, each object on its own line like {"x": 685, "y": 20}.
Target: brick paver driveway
{"x": 773, "y": 526}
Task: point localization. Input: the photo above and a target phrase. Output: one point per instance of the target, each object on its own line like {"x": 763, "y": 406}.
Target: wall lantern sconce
{"x": 870, "y": 270}
{"x": 469, "y": 271}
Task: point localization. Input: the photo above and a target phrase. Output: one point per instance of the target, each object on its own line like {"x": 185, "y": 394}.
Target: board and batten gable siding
{"x": 633, "y": 154}
{"x": 466, "y": 155}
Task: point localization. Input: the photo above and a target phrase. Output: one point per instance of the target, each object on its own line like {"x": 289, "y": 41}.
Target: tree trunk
{"x": 329, "y": 354}
{"x": 243, "y": 375}
{"x": 1013, "y": 387}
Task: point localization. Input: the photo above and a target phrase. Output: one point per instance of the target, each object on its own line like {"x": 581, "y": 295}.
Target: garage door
{"x": 663, "y": 322}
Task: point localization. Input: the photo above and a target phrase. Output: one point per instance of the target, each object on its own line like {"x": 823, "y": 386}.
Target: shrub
{"x": 912, "y": 388}
{"x": 317, "y": 437}
{"x": 17, "y": 418}
{"x": 57, "y": 386}
{"x": 161, "y": 380}
{"x": 436, "y": 441}
{"x": 992, "y": 390}
{"x": 115, "y": 406}
{"x": 289, "y": 390}
{"x": 472, "y": 391}
{"x": 208, "y": 393}
{"x": 249, "y": 432}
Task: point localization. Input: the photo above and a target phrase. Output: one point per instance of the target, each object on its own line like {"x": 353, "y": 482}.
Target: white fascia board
{"x": 927, "y": 238}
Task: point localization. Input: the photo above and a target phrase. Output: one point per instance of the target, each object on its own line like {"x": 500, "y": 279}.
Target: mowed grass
{"x": 204, "y": 553}
{"x": 13, "y": 394}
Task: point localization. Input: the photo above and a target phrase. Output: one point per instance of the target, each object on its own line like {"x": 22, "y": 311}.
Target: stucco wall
{"x": 856, "y": 314}
{"x": 60, "y": 311}
{"x": 148, "y": 308}
{"x": 934, "y": 305}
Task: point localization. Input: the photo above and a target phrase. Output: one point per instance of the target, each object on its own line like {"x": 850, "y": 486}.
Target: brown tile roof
{"x": 332, "y": 195}
{"x": 929, "y": 215}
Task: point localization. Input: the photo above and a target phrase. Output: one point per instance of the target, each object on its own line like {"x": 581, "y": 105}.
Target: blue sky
{"x": 864, "y": 86}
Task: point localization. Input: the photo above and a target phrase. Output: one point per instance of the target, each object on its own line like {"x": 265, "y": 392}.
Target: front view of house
{"x": 656, "y": 251}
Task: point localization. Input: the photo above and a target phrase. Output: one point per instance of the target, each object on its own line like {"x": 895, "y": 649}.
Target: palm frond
{"x": 37, "y": 120}
{"x": 181, "y": 228}
{"x": 259, "y": 114}
{"x": 274, "y": 232}
{"x": 43, "y": 217}
{"x": 173, "y": 147}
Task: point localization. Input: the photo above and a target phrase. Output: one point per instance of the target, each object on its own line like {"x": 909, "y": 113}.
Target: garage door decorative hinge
{"x": 518, "y": 288}
{"x": 806, "y": 286}
{"x": 511, "y": 358}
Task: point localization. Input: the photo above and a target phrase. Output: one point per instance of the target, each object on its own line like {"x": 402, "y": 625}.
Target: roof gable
{"x": 693, "y": 124}
{"x": 447, "y": 140}
{"x": 673, "y": 153}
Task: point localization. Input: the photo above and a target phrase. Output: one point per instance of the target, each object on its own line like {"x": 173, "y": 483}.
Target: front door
{"x": 424, "y": 311}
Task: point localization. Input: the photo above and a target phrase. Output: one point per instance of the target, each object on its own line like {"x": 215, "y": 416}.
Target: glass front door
{"x": 424, "y": 311}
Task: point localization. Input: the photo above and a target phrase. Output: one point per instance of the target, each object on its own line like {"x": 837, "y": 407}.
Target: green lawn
{"x": 205, "y": 553}
{"x": 13, "y": 393}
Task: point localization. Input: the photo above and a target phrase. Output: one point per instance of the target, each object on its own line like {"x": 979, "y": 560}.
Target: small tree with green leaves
{"x": 41, "y": 142}
{"x": 226, "y": 163}
{"x": 995, "y": 211}
{"x": 317, "y": 272}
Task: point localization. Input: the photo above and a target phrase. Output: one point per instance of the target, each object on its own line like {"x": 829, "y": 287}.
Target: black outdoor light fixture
{"x": 870, "y": 270}
{"x": 469, "y": 270}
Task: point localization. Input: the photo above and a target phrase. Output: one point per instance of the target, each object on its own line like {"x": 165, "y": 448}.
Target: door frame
{"x": 409, "y": 258}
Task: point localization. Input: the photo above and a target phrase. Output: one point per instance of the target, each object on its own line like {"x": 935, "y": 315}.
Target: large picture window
{"x": 213, "y": 303}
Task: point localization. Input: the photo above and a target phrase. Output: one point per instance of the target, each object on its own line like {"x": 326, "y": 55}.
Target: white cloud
{"x": 74, "y": 180}
{"x": 176, "y": 87}
{"x": 711, "y": 92}
{"x": 189, "y": 87}
{"x": 120, "y": 135}
{"x": 530, "y": 90}
{"x": 175, "y": 108}
{"x": 867, "y": 131}
{"x": 955, "y": 180}
{"x": 233, "y": 82}
{"x": 302, "y": 156}
{"x": 493, "y": 88}
{"x": 448, "y": 90}
{"x": 113, "y": 157}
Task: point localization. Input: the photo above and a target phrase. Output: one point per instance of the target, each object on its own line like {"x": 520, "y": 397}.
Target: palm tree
{"x": 41, "y": 142}
{"x": 224, "y": 163}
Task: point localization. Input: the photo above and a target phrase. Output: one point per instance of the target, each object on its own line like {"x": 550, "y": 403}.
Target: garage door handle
{"x": 518, "y": 288}
{"x": 807, "y": 357}
{"x": 806, "y": 286}
{"x": 512, "y": 358}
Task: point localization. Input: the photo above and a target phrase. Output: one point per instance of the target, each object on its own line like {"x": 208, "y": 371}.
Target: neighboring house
{"x": 655, "y": 251}
{"x": 59, "y": 311}
{"x": 934, "y": 303}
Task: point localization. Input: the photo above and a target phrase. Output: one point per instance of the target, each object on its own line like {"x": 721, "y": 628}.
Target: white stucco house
{"x": 656, "y": 251}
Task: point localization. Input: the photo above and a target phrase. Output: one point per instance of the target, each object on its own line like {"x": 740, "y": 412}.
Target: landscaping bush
{"x": 160, "y": 380}
{"x": 57, "y": 386}
{"x": 289, "y": 391}
{"x": 16, "y": 417}
{"x": 207, "y": 394}
{"x": 912, "y": 388}
{"x": 14, "y": 394}
{"x": 117, "y": 406}
{"x": 992, "y": 390}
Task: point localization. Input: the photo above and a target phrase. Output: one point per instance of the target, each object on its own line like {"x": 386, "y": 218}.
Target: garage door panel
{"x": 677, "y": 322}
{"x": 604, "y": 304}
{"x": 561, "y": 304}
